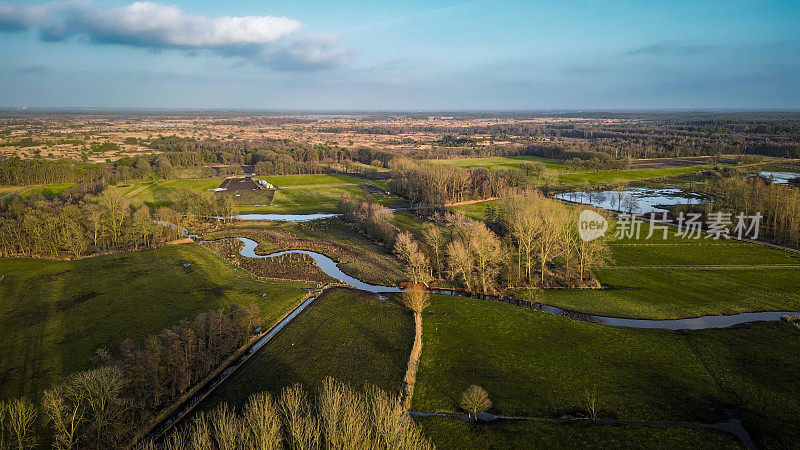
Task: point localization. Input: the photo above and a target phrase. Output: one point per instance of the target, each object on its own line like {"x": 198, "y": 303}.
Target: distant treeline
{"x": 778, "y": 204}
{"x": 267, "y": 156}
{"x": 17, "y": 171}
{"x": 54, "y": 228}
{"x": 435, "y": 186}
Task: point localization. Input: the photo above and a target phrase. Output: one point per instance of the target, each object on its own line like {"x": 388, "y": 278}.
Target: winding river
{"x": 330, "y": 268}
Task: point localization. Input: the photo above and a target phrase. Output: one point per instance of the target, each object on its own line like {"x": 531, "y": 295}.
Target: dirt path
{"x": 309, "y": 186}
{"x": 11, "y": 194}
{"x": 413, "y": 362}
{"x": 139, "y": 189}
{"x": 472, "y": 202}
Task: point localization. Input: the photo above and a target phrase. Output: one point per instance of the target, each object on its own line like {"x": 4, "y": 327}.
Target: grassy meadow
{"x": 346, "y": 334}
{"x": 535, "y": 364}
{"x": 674, "y": 278}
{"x": 295, "y": 194}
{"x": 498, "y": 162}
{"x": 447, "y": 433}
{"x": 55, "y": 314}
{"x": 557, "y": 175}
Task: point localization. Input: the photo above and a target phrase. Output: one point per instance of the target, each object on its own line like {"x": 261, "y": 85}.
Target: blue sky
{"x": 409, "y": 55}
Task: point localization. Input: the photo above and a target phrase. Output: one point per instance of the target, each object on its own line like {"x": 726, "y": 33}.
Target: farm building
{"x": 243, "y": 184}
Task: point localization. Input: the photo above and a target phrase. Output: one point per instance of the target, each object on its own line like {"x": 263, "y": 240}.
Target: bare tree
{"x": 486, "y": 249}
{"x": 262, "y": 422}
{"x": 475, "y": 400}
{"x": 65, "y": 411}
{"x": 302, "y": 428}
{"x": 20, "y": 418}
{"x": 114, "y": 209}
{"x": 417, "y": 267}
{"x": 548, "y": 235}
{"x": 460, "y": 262}
{"x": 435, "y": 240}
{"x": 227, "y": 427}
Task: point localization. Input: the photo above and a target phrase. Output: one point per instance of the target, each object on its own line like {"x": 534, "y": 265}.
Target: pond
{"x": 780, "y": 177}
{"x": 638, "y": 200}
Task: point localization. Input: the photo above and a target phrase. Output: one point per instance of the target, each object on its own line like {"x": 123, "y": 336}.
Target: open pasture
{"x": 54, "y": 315}
{"x": 346, "y": 334}
{"x": 674, "y": 278}
{"x": 535, "y": 364}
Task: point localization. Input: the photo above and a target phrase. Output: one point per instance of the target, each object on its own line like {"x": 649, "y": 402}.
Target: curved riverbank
{"x": 330, "y": 268}
{"x": 326, "y": 264}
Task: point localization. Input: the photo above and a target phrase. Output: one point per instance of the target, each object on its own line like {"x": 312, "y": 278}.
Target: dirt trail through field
{"x": 413, "y": 363}
{"x": 11, "y": 194}
{"x": 309, "y": 186}
{"x": 139, "y": 189}
{"x": 472, "y": 202}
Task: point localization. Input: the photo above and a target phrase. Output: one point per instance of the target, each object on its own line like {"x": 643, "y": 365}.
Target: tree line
{"x": 80, "y": 223}
{"x": 167, "y": 364}
{"x": 54, "y": 228}
{"x": 16, "y": 171}
{"x": 779, "y": 205}
{"x": 339, "y": 418}
{"x": 525, "y": 242}
{"x": 435, "y": 186}
{"x": 370, "y": 218}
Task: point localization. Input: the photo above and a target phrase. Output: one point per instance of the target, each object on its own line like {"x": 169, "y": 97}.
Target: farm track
{"x": 310, "y": 186}
{"x": 21, "y": 191}
{"x": 137, "y": 190}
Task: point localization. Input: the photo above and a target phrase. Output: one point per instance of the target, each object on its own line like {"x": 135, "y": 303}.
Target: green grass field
{"x": 55, "y": 314}
{"x": 497, "y": 162}
{"x": 296, "y": 194}
{"x": 475, "y": 211}
{"x": 756, "y": 368}
{"x": 673, "y": 278}
{"x": 288, "y": 181}
{"x": 536, "y": 364}
{"x": 160, "y": 193}
{"x": 25, "y": 192}
{"x": 555, "y": 173}
{"x": 346, "y": 334}
{"x": 605, "y": 177}
{"x": 307, "y": 200}
{"x": 448, "y": 433}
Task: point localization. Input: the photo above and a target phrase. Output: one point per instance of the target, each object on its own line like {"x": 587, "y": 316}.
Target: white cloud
{"x": 315, "y": 52}
{"x": 261, "y": 39}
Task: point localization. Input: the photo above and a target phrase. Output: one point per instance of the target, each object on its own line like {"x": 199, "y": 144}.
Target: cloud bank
{"x": 266, "y": 40}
